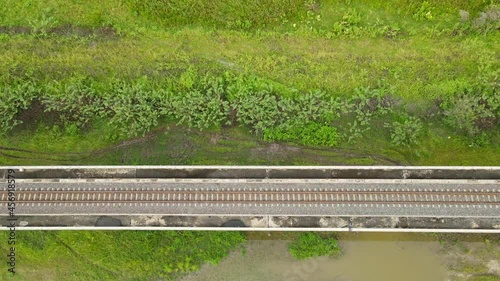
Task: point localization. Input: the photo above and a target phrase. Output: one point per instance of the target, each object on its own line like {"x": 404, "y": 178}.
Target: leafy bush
{"x": 311, "y": 244}
{"x": 310, "y": 134}
{"x": 364, "y": 105}
{"x": 14, "y": 99}
{"x": 201, "y": 110}
{"x": 260, "y": 110}
{"x": 488, "y": 69}
{"x": 299, "y": 119}
{"x": 309, "y": 107}
{"x": 355, "y": 25}
{"x": 77, "y": 102}
{"x": 205, "y": 103}
{"x": 474, "y": 111}
{"x": 405, "y": 133}
{"x": 132, "y": 108}
{"x": 257, "y": 106}
{"x": 42, "y": 24}
{"x": 488, "y": 20}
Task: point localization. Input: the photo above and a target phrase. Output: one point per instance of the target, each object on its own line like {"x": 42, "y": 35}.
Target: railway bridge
{"x": 322, "y": 198}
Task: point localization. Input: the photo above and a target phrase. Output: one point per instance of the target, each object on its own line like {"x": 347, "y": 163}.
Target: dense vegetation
{"x": 311, "y": 244}
{"x": 133, "y": 109}
{"x": 274, "y": 113}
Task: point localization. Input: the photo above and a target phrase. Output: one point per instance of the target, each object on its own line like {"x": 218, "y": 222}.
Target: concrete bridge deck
{"x": 376, "y": 197}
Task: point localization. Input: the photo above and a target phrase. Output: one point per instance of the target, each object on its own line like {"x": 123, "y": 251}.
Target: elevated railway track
{"x": 325, "y": 193}
{"x": 207, "y": 191}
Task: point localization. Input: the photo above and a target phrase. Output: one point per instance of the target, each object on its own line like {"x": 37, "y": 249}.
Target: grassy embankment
{"x": 142, "y": 67}
{"x": 115, "y": 255}
{"x": 69, "y": 68}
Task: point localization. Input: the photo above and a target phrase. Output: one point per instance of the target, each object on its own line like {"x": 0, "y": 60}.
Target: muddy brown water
{"x": 367, "y": 257}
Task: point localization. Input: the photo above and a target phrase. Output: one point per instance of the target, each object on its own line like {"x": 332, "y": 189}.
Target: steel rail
{"x": 470, "y": 197}
{"x": 273, "y": 202}
{"x": 263, "y": 191}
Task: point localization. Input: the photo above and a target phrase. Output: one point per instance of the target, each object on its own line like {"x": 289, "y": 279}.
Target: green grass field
{"x": 116, "y": 255}
{"x": 427, "y": 52}
{"x": 226, "y": 82}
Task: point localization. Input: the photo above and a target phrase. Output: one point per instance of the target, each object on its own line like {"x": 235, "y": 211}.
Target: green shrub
{"x": 405, "y": 133}
{"x": 259, "y": 110}
{"x": 258, "y": 107}
{"x": 311, "y": 244}
{"x": 132, "y": 109}
{"x": 474, "y": 111}
{"x": 488, "y": 68}
{"x": 76, "y": 102}
{"x": 310, "y": 107}
{"x": 488, "y": 20}
{"x": 42, "y": 24}
{"x": 201, "y": 110}
{"x": 364, "y": 105}
{"x": 205, "y": 103}
{"x": 13, "y": 100}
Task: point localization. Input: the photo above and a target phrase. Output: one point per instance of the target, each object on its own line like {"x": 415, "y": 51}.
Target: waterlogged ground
{"x": 367, "y": 257}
